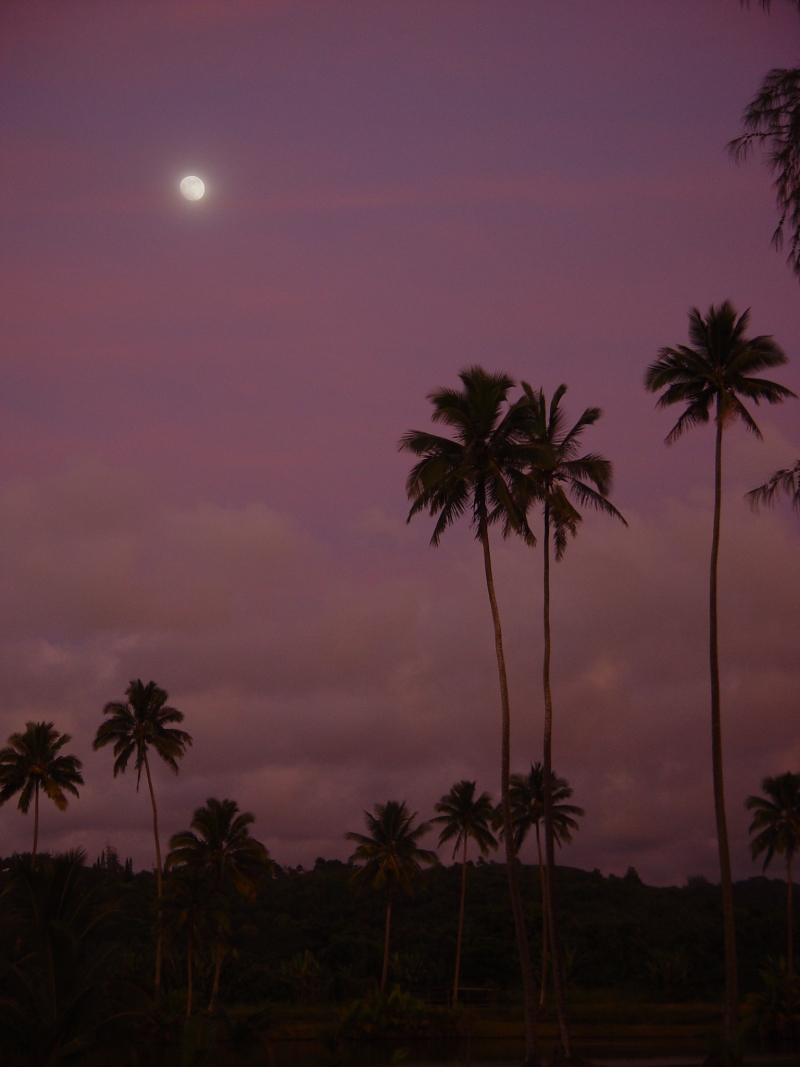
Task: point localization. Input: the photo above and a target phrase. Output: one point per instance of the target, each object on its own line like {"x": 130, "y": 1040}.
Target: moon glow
{"x": 192, "y": 187}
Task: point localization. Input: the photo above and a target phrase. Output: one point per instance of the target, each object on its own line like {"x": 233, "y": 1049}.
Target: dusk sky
{"x": 201, "y": 404}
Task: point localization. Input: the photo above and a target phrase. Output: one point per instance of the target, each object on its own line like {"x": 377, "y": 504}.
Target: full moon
{"x": 192, "y": 187}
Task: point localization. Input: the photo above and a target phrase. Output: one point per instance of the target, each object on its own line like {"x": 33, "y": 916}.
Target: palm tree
{"x": 772, "y": 121}
{"x": 474, "y": 472}
{"x": 464, "y": 816}
{"x": 555, "y": 473}
{"x": 144, "y": 721}
{"x": 30, "y": 763}
{"x": 718, "y": 372}
{"x": 194, "y": 903}
{"x": 777, "y": 828}
{"x": 527, "y": 810}
{"x": 220, "y": 844}
{"x": 390, "y": 854}
{"x": 782, "y": 483}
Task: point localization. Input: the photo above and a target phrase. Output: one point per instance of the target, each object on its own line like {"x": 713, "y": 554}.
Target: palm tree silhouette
{"x": 777, "y": 828}
{"x": 220, "y": 844}
{"x": 527, "y": 811}
{"x": 30, "y": 763}
{"x": 144, "y": 721}
{"x": 474, "y": 473}
{"x": 555, "y": 473}
{"x": 389, "y": 854}
{"x": 781, "y": 483}
{"x": 464, "y": 816}
{"x": 717, "y": 372}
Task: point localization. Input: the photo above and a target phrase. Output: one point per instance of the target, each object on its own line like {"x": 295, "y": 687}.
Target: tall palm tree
{"x": 474, "y": 473}
{"x": 717, "y": 373}
{"x": 220, "y": 844}
{"x": 527, "y": 811}
{"x": 557, "y": 479}
{"x": 781, "y": 483}
{"x": 133, "y": 727}
{"x": 390, "y": 855}
{"x": 464, "y": 816}
{"x": 30, "y": 763}
{"x": 777, "y": 828}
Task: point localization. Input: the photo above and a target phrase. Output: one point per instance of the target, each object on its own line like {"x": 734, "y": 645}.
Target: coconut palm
{"x": 782, "y": 483}
{"x": 559, "y": 479}
{"x": 30, "y": 763}
{"x": 195, "y": 905}
{"x": 133, "y": 727}
{"x": 389, "y": 855}
{"x": 776, "y": 826}
{"x": 718, "y": 372}
{"x": 527, "y": 811}
{"x": 219, "y": 843}
{"x": 464, "y": 816}
{"x": 473, "y": 473}
{"x": 772, "y": 121}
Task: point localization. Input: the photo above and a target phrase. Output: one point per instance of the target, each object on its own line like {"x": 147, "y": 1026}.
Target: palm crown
{"x": 389, "y": 851}
{"x": 527, "y": 806}
{"x": 719, "y": 370}
{"x": 464, "y": 816}
{"x": 776, "y": 823}
{"x": 220, "y": 843}
{"x": 555, "y": 469}
{"x": 473, "y": 472}
{"x": 145, "y": 720}
{"x": 31, "y": 761}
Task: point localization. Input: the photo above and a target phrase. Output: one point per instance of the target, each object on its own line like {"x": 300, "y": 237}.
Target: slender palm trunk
{"x": 158, "y": 877}
{"x": 189, "y": 975}
{"x": 217, "y": 974}
{"x": 385, "y": 972}
{"x": 543, "y": 881}
{"x": 460, "y": 921}
{"x": 790, "y": 940}
{"x": 35, "y": 825}
{"x": 549, "y": 839}
{"x": 528, "y": 988}
{"x": 731, "y": 994}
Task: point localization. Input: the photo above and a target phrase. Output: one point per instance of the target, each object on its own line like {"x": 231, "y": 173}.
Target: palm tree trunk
{"x": 35, "y": 825}
{"x": 217, "y": 974}
{"x": 731, "y": 994}
{"x": 385, "y": 971}
{"x": 528, "y": 988}
{"x": 189, "y": 976}
{"x": 549, "y": 840}
{"x": 460, "y": 921}
{"x": 790, "y": 941}
{"x": 543, "y": 881}
{"x": 158, "y": 877}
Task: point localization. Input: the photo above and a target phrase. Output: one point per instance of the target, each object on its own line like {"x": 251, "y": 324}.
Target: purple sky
{"x": 201, "y": 404}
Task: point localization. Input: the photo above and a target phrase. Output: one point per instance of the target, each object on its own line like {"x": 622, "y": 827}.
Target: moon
{"x": 192, "y": 187}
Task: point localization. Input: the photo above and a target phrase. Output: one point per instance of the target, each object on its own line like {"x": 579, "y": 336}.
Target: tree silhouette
{"x": 133, "y": 727}
{"x": 557, "y": 479}
{"x": 219, "y": 843}
{"x": 30, "y": 763}
{"x": 464, "y": 816}
{"x": 717, "y": 373}
{"x": 781, "y": 483}
{"x": 474, "y": 473}
{"x": 389, "y": 855}
{"x": 776, "y": 826}
{"x": 527, "y": 812}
